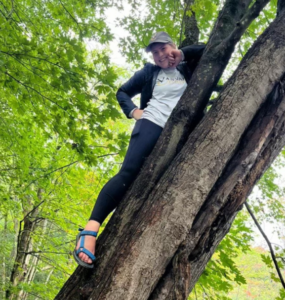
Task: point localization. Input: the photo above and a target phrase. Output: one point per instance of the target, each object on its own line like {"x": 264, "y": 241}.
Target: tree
{"x": 57, "y": 99}
{"x": 160, "y": 238}
{"x": 54, "y": 160}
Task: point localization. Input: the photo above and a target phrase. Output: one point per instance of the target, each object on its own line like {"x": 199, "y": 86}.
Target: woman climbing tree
{"x": 161, "y": 85}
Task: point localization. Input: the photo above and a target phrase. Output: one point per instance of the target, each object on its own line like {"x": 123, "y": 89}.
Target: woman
{"x": 161, "y": 86}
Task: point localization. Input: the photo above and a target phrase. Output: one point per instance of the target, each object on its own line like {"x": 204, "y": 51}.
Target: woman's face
{"x": 161, "y": 53}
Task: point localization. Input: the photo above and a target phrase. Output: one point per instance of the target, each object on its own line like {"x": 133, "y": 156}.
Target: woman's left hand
{"x": 174, "y": 58}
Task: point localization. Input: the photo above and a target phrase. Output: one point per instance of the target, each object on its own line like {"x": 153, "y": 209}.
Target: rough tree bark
{"x": 264, "y": 140}
{"x": 190, "y": 26}
{"x": 159, "y": 240}
{"x": 24, "y": 245}
{"x": 33, "y": 263}
{"x": 4, "y": 262}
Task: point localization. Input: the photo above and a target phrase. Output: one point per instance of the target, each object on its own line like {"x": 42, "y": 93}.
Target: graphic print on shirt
{"x": 166, "y": 80}
{"x": 169, "y": 87}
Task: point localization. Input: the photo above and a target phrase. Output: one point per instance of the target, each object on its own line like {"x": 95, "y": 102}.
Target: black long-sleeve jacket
{"x": 143, "y": 81}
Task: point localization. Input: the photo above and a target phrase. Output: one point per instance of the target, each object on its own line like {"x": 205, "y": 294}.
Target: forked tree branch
{"x": 241, "y": 26}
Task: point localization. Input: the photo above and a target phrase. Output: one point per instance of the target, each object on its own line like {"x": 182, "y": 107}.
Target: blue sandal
{"x": 81, "y": 248}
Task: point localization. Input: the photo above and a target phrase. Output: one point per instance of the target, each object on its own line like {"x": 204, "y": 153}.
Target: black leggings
{"x": 143, "y": 139}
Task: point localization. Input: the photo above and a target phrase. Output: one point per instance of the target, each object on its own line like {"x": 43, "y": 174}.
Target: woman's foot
{"x": 89, "y": 242}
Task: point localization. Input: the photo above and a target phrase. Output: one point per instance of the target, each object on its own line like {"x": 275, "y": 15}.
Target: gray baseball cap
{"x": 159, "y": 37}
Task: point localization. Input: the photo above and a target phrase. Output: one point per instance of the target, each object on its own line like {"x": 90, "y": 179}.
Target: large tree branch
{"x": 261, "y": 130}
{"x": 190, "y": 26}
{"x": 216, "y": 230}
{"x": 229, "y": 16}
{"x": 243, "y": 24}
{"x": 236, "y": 199}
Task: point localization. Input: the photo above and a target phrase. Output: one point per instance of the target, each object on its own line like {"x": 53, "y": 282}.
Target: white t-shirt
{"x": 169, "y": 87}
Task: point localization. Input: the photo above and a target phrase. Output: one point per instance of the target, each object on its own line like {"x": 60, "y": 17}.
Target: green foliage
{"x": 259, "y": 283}
{"x": 68, "y": 192}
{"x": 62, "y": 137}
{"x": 151, "y": 16}
{"x": 143, "y": 21}
{"x": 48, "y": 76}
{"x": 222, "y": 272}
{"x": 235, "y": 269}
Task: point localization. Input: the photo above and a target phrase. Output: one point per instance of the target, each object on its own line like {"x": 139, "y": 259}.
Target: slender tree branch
{"x": 14, "y": 56}
{"x": 268, "y": 243}
{"x": 69, "y": 13}
{"x": 36, "y": 207}
{"x": 9, "y": 169}
{"x": 3, "y": 14}
{"x": 4, "y": 6}
{"x": 66, "y": 166}
{"x": 204, "y": 290}
{"x": 58, "y": 169}
{"x": 265, "y": 16}
{"x": 282, "y": 258}
{"x": 34, "y": 252}
{"x": 49, "y": 261}
{"x": 32, "y": 71}
{"x": 12, "y": 10}
{"x": 28, "y": 87}
{"x": 183, "y": 19}
{"x": 33, "y": 294}
{"x": 277, "y": 245}
{"x": 39, "y": 58}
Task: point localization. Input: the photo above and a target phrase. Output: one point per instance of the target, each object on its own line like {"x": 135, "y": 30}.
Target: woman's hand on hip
{"x": 137, "y": 114}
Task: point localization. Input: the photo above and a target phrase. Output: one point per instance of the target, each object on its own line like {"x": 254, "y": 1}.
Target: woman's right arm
{"x": 130, "y": 89}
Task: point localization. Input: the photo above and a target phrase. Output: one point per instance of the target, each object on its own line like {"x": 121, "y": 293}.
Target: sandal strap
{"x": 87, "y": 232}
{"x": 87, "y": 252}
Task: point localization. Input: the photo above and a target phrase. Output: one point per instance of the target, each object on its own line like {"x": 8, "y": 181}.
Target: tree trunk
{"x": 22, "y": 295}
{"x": 190, "y": 26}
{"x": 165, "y": 242}
{"x": 24, "y": 246}
{"x": 20, "y": 264}
{"x": 32, "y": 267}
{"x": 219, "y": 210}
{"x": 4, "y": 261}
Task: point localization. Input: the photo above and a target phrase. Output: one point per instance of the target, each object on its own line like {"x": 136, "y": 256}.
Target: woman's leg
{"x": 143, "y": 139}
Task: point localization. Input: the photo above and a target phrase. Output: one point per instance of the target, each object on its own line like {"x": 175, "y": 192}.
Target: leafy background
{"x": 63, "y": 135}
